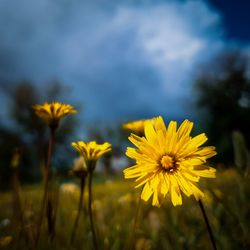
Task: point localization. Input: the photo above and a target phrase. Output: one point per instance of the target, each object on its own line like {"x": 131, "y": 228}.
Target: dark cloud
{"x": 123, "y": 60}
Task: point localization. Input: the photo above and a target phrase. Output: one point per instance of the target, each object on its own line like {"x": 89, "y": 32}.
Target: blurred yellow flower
{"x": 53, "y": 112}
{"x": 169, "y": 160}
{"x": 91, "y": 151}
{"x": 136, "y": 126}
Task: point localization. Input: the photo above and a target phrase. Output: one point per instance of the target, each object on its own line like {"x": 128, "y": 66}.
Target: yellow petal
{"x": 175, "y": 192}
{"x": 206, "y": 152}
{"x": 184, "y": 184}
{"x": 155, "y": 201}
{"x": 132, "y": 153}
{"x": 185, "y": 129}
{"x": 159, "y": 124}
{"x": 146, "y": 192}
{"x": 198, "y": 194}
{"x": 171, "y": 136}
{"x": 136, "y": 140}
{"x": 205, "y": 171}
{"x": 150, "y": 133}
{"x": 164, "y": 184}
{"x": 198, "y": 140}
{"x": 190, "y": 175}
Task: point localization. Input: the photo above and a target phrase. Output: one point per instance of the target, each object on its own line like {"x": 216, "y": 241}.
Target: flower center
{"x": 168, "y": 163}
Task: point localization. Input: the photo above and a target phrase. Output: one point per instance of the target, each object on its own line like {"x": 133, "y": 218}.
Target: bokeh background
{"x": 118, "y": 61}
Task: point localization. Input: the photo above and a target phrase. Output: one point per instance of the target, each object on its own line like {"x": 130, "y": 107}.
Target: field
{"x": 115, "y": 205}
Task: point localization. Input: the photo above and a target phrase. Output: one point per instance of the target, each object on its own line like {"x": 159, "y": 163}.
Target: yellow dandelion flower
{"x": 53, "y": 112}
{"x": 91, "y": 151}
{"x": 169, "y": 160}
{"x": 137, "y": 127}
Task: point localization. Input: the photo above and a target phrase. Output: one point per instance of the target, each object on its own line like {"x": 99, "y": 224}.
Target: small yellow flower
{"x": 137, "y": 127}
{"x": 169, "y": 160}
{"x": 91, "y": 151}
{"x": 53, "y": 112}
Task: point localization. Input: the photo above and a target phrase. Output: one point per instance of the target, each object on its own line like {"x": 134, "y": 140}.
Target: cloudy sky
{"x": 123, "y": 59}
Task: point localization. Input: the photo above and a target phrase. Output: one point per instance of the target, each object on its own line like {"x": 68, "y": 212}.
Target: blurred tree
{"x": 28, "y": 132}
{"x": 224, "y": 96}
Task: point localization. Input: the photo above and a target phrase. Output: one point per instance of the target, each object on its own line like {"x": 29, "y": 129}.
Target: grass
{"x": 115, "y": 201}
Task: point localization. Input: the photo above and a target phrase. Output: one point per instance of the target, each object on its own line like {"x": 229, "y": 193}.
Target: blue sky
{"x": 123, "y": 59}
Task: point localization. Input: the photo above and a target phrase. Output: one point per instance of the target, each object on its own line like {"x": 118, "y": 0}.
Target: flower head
{"x": 53, "y": 112}
{"x": 91, "y": 151}
{"x": 169, "y": 160}
{"x": 137, "y": 127}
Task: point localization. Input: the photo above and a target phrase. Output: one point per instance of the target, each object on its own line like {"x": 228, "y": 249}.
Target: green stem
{"x": 47, "y": 173}
{"x": 17, "y": 207}
{"x": 78, "y": 212}
{"x": 90, "y": 210}
{"x": 135, "y": 224}
{"x": 210, "y": 232}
